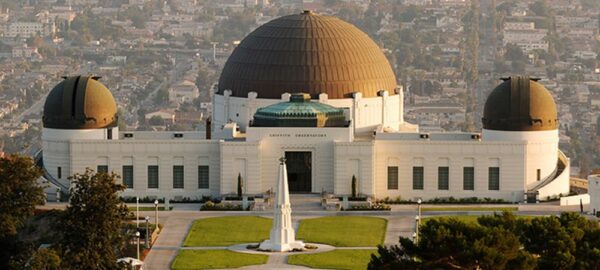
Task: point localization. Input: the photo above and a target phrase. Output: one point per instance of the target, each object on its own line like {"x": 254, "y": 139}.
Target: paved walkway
{"x": 176, "y": 226}
{"x": 398, "y": 226}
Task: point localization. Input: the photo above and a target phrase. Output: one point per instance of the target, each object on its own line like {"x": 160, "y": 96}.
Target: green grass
{"x": 148, "y": 208}
{"x": 466, "y": 219}
{"x": 345, "y": 231}
{"x": 467, "y": 208}
{"x": 351, "y": 259}
{"x": 227, "y": 231}
{"x": 215, "y": 259}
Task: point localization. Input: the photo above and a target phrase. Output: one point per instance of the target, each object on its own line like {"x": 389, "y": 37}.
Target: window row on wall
{"x": 443, "y": 178}
{"x": 153, "y": 176}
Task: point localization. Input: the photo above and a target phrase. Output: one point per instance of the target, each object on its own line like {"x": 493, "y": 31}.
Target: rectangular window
{"x": 539, "y": 174}
{"x": 128, "y": 176}
{"x": 418, "y": 178}
{"x": 102, "y": 168}
{"x": 392, "y": 177}
{"x": 443, "y": 178}
{"x": 178, "y": 176}
{"x": 109, "y": 134}
{"x": 153, "y": 176}
{"x": 494, "y": 178}
{"x": 469, "y": 178}
{"x": 59, "y": 172}
{"x": 203, "y": 177}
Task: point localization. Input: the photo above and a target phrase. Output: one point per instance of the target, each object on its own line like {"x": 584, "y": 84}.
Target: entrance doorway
{"x": 299, "y": 171}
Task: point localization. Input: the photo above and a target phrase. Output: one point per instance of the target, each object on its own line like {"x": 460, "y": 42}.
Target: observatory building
{"x": 319, "y": 92}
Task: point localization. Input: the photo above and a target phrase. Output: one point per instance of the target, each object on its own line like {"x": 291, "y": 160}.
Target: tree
{"x": 448, "y": 243}
{"x": 35, "y": 41}
{"x": 541, "y": 8}
{"x": 501, "y": 241}
{"x": 514, "y": 52}
{"x": 235, "y": 27}
{"x": 240, "y": 186}
{"x": 92, "y": 225}
{"x": 44, "y": 259}
{"x": 156, "y": 120}
{"x": 353, "y": 186}
{"x": 204, "y": 79}
{"x": 19, "y": 192}
{"x": 162, "y": 96}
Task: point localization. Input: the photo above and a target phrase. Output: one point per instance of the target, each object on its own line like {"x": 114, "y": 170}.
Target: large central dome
{"x": 307, "y": 53}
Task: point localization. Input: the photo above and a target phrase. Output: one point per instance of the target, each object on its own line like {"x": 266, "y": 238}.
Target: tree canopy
{"x": 19, "y": 192}
{"x": 501, "y": 241}
{"x": 92, "y": 225}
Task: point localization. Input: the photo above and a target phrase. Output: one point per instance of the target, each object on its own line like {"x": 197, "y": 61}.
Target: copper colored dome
{"x": 520, "y": 104}
{"x": 307, "y": 53}
{"x": 80, "y": 102}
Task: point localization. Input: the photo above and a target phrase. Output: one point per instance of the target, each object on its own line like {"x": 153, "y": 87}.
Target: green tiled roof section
{"x": 296, "y": 109}
{"x": 299, "y": 112}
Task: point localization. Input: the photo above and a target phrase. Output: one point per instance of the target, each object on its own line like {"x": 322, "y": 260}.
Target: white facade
{"x": 28, "y": 29}
{"x": 594, "y": 191}
{"x": 526, "y": 39}
{"x": 388, "y": 157}
{"x": 366, "y": 113}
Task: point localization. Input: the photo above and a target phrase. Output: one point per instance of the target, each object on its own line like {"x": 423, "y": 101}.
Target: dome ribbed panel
{"x": 80, "y": 102}
{"x": 520, "y": 104}
{"x": 307, "y": 53}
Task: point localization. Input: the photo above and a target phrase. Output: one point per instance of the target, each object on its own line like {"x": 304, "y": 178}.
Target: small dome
{"x": 310, "y": 53}
{"x": 520, "y": 104}
{"x": 299, "y": 112}
{"x": 80, "y": 102}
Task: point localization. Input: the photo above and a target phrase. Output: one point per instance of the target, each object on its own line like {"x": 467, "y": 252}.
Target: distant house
{"x": 188, "y": 118}
{"x": 184, "y": 91}
{"x": 166, "y": 115}
{"x": 26, "y": 52}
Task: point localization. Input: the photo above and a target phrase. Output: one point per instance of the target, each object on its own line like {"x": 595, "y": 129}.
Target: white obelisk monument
{"x": 282, "y": 237}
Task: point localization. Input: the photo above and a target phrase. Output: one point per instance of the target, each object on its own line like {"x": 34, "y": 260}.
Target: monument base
{"x": 281, "y": 247}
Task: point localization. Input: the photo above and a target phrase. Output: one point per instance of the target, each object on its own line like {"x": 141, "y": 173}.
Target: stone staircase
{"x": 305, "y": 202}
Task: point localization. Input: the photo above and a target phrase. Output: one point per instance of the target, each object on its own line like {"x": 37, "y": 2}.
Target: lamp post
{"x": 156, "y": 212}
{"x": 137, "y": 235}
{"x": 137, "y": 212}
{"x": 419, "y": 206}
{"x": 417, "y": 219}
{"x": 147, "y": 232}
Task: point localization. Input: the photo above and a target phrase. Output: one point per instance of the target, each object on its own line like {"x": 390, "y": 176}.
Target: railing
{"x": 39, "y": 161}
{"x": 561, "y": 164}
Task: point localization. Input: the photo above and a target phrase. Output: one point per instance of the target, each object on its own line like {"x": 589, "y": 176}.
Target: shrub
{"x": 239, "y": 186}
{"x": 210, "y": 206}
{"x": 130, "y": 199}
{"x": 373, "y": 207}
{"x": 447, "y": 200}
{"x": 353, "y": 186}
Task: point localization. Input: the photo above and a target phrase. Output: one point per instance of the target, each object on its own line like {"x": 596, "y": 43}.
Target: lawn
{"x": 469, "y": 208}
{"x": 148, "y": 208}
{"x": 227, "y": 231}
{"x": 338, "y": 259}
{"x": 344, "y": 231}
{"x": 215, "y": 259}
{"x": 466, "y": 219}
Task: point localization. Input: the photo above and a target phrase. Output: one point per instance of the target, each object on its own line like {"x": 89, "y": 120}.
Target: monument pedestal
{"x": 282, "y": 236}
